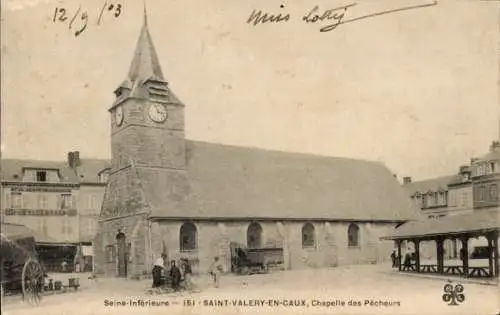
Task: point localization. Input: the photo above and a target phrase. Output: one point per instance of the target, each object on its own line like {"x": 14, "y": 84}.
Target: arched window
{"x": 353, "y": 235}
{"x": 308, "y": 237}
{"x": 188, "y": 239}
{"x": 254, "y": 235}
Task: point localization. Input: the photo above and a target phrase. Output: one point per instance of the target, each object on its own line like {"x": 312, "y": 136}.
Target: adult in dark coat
{"x": 157, "y": 270}
{"x": 394, "y": 259}
{"x": 187, "y": 273}
{"x": 175, "y": 275}
{"x": 463, "y": 253}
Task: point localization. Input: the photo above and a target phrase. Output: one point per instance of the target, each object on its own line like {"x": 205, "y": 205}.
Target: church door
{"x": 122, "y": 254}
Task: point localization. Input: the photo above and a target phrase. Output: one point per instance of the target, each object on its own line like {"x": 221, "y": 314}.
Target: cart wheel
{"x": 32, "y": 281}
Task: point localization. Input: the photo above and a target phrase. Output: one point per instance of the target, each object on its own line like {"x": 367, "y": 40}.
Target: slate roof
{"x": 479, "y": 221}
{"x": 145, "y": 78}
{"x": 90, "y": 169}
{"x": 433, "y": 184}
{"x": 145, "y": 64}
{"x": 239, "y": 182}
{"x": 491, "y": 156}
{"x": 12, "y": 169}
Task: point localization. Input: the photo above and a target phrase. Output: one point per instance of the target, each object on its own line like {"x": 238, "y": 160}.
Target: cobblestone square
{"x": 345, "y": 290}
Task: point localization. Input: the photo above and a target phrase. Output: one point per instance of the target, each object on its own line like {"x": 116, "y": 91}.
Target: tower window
{"x": 41, "y": 176}
{"x": 110, "y": 253}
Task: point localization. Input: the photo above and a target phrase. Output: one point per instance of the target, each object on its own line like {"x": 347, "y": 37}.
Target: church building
{"x": 194, "y": 200}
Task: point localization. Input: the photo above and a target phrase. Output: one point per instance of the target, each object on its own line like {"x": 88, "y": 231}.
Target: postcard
{"x": 250, "y": 157}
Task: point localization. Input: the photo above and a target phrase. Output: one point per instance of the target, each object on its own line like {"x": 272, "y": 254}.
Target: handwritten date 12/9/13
{"x": 80, "y": 19}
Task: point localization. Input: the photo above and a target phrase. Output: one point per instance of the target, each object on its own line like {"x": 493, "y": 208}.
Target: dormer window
{"x": 104, "y": 176}
{"x": 41, "y": 176}
{"x": 465, "y": 177}
{"x": 123, "y": 90}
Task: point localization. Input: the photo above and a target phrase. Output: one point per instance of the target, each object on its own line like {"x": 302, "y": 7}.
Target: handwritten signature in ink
{"x": 336, "y": 15}
{"x": 61, "y": 16}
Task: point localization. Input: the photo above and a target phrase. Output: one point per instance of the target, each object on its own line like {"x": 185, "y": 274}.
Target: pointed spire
{"x": 145, "y": 64}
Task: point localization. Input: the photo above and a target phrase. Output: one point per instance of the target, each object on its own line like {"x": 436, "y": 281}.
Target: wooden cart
{"x": 21, "y": 271}
{"x": 246, "y": 261}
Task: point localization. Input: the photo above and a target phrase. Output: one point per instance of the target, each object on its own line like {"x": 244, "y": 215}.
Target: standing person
{"x": 407, "y": 262}
{"x": 215, "y": 271}
{"x": 462, "y": 254}
{"x": 187, "y": 273}
{"x": 157, "y": 270}
{"x": 394, "y": 259}
{"x": 175, "y": 275}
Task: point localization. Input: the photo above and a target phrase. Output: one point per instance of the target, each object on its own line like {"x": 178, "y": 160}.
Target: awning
{"x": 481, "y": 221}
{"x": 11, "y": 231}
{"x": 87, "y": 251}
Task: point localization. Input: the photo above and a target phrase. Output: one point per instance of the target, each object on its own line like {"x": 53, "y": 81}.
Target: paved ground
{"x": 307, "y": 288}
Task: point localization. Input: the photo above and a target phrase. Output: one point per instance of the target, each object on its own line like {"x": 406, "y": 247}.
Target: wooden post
{"x": 398, "y": 242}
{"x": 440, "y": 252}
{"x": 490, "y": 254}
{"x": 465, "y": 258}
{"x": 495, "y": 256}
{"x": 417, "y": 255}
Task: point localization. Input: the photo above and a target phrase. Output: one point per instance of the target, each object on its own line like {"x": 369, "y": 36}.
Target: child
{"x": 215, "y": 271}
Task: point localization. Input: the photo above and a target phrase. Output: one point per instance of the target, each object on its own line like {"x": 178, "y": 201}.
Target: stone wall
{"x": 213, "y": 239}
{"x": 331, "y": 246}
{"x": 136, "y": 232}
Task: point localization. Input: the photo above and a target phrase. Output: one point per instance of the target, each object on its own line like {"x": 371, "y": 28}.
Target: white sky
{"x": 417, "y": 90}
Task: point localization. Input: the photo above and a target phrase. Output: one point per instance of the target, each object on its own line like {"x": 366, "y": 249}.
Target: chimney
{"x": 494, "y": 146}
{"x": 464, "y": 169}
{"x": 406, "y": 180}
{"x": 73, "y": 159}
{"x": 76, "y": 157}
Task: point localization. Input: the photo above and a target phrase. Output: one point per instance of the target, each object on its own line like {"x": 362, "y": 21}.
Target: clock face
{"x": 157, "y": 112}
{"x": 119, "y": 115}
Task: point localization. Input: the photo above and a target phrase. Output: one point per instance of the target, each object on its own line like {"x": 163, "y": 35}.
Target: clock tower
{"x": 147, "y": 137}
{"x": 147, "y": 120}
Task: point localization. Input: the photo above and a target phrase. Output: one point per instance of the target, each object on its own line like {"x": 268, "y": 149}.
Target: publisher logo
{"x": 453, "y": 295}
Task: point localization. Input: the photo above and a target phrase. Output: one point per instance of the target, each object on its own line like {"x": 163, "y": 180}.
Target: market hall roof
{"x": 480, "y": 221}
{"x": 230, "y": 182}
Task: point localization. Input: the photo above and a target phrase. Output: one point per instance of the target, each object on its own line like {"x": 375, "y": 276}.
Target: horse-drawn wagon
{"x": 254, "y": 260}
{"x": 21, "y": 271}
